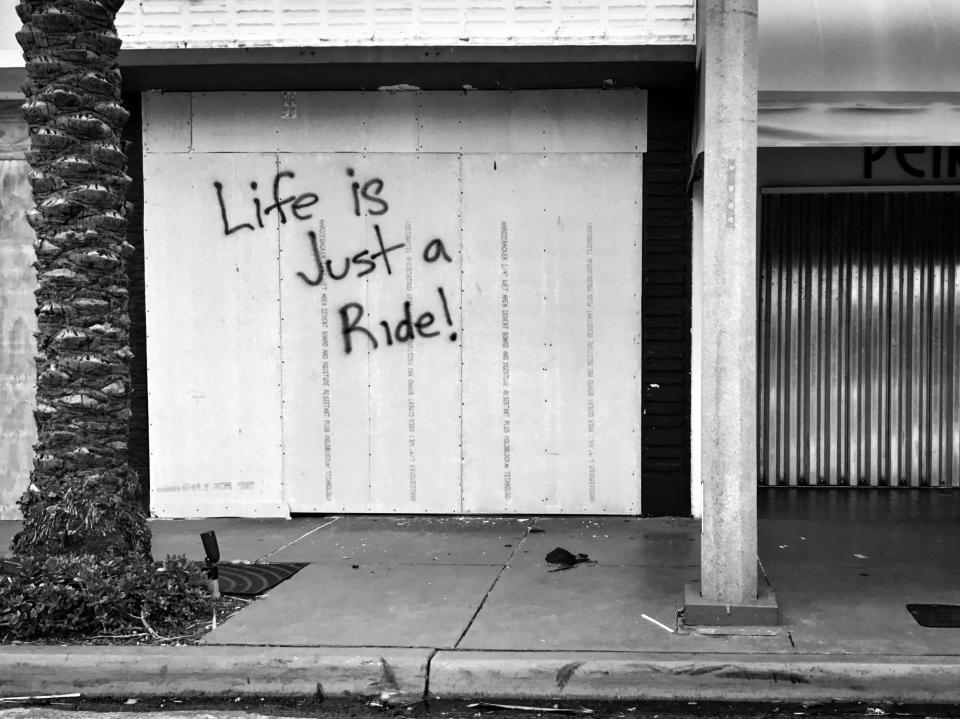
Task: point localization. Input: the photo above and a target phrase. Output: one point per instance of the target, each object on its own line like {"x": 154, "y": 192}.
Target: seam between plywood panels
{"x": 284, "y": 499}
{"x": 462, "y": 319}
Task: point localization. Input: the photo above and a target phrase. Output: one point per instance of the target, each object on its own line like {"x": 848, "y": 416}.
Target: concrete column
{"x": 728, "y": 312}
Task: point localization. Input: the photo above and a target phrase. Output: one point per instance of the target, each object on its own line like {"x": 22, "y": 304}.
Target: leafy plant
{"x": 86, "y": 596}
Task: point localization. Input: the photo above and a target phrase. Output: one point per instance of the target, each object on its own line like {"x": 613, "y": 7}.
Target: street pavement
{"x": 265, "y": 708}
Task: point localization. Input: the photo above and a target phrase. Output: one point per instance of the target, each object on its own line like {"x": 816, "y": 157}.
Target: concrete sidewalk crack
{"x": 496, "y": 579}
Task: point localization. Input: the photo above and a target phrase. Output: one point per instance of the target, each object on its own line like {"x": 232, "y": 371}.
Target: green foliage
{"x": 76, "y": 597}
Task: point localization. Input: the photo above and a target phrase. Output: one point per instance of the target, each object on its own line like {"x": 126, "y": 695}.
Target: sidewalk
{"x": 468, "y": 607}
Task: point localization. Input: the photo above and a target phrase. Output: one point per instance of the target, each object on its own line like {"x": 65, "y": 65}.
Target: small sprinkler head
{"x": 212, "y": 550}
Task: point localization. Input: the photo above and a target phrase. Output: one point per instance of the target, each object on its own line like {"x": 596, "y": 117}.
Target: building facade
{"x": 448, "y": 312}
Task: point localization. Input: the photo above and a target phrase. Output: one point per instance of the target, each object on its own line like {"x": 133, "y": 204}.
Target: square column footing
{"x": 761, "y": 612}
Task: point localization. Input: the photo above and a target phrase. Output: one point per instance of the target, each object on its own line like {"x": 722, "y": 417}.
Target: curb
{"x": 400, "y": 675}
{"x": 104, "y": 671}
{"x": 708, "y": 677}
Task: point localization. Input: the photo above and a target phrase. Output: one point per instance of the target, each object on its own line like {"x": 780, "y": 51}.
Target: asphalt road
{"x": 122, "y": 708}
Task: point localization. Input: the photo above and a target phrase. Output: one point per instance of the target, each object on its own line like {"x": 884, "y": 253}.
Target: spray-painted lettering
{"x": 324, "y": 268}
{"x": 357, "y": 329}
{"x": 298, "y": 204}
{"x": 353, "y": 321}
{"x": 366, "y": 196}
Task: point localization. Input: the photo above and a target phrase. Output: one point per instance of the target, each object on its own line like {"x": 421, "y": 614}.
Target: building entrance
{"x": 859, "y": 378}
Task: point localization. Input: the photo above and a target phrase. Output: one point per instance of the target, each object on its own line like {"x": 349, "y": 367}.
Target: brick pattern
{"x": 319, "y": 23}
{"x": 666, "y": 306}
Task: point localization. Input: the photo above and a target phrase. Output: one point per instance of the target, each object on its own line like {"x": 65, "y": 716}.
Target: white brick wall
{"x": 147, "y": 24}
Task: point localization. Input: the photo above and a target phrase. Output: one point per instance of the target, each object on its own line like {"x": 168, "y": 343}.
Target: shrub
{"x": 64, "y": 597}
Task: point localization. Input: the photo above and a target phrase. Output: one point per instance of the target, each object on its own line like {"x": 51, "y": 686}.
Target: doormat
{"x": 936, "y": 615}
{"x": 248, "y": 580}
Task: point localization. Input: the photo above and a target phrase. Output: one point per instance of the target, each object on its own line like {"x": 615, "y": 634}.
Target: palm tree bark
{"x": 83, "y": 495}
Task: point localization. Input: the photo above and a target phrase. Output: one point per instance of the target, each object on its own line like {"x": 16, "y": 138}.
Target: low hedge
{"x": 81, "y": 597}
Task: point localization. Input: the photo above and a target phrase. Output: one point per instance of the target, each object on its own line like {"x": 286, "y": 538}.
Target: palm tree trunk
{"x": 83, "y": 494}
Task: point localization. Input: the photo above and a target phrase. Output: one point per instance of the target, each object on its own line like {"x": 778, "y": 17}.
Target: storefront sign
{"x": 928, "y": 163}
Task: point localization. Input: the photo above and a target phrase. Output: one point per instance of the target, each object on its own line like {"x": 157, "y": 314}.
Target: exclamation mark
{"x": 446, "y": 313}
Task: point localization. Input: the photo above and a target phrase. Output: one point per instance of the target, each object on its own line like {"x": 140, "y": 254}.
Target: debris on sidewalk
{"x": 566, "y": 559}
{"x": 521, "y": 708}
{"x": 658, "y": 623}
{"x": 560, "y": 555}
{"x": 40, "y": 697}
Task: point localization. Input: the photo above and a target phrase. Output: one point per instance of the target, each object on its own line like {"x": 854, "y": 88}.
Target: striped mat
{"x": 248, "y": 580}
{"x": 941, "y": 616}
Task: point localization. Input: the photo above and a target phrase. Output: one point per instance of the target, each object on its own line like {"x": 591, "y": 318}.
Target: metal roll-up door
{"x": 859, "y": 378}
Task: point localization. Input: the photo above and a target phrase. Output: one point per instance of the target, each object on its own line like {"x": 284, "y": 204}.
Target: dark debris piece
{"x": 564, "y": 558}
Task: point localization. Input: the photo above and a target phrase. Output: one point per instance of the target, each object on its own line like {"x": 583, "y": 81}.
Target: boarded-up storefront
{"x": 394, "y": 302}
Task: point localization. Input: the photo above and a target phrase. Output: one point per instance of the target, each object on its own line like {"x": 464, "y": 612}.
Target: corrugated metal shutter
{"x": 859, "y": 379}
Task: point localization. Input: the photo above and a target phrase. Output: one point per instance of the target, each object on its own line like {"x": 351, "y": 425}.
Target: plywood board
{"x": 18, "y": 373}
{"x": 533, "y": 121}
{"x": 299, "y": 122}
{"x": 14, "y": 132}
{"x": 371, "y": 420}
{"x": 213, "y": 337}
{"x": 167, "y": 121}
{"x": 471, "y": 122}
{"x": 551, "y": 262}
{"x": 489, "y": 226}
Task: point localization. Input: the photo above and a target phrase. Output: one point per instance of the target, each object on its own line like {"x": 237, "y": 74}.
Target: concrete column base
{"x": 761, "y": 612}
